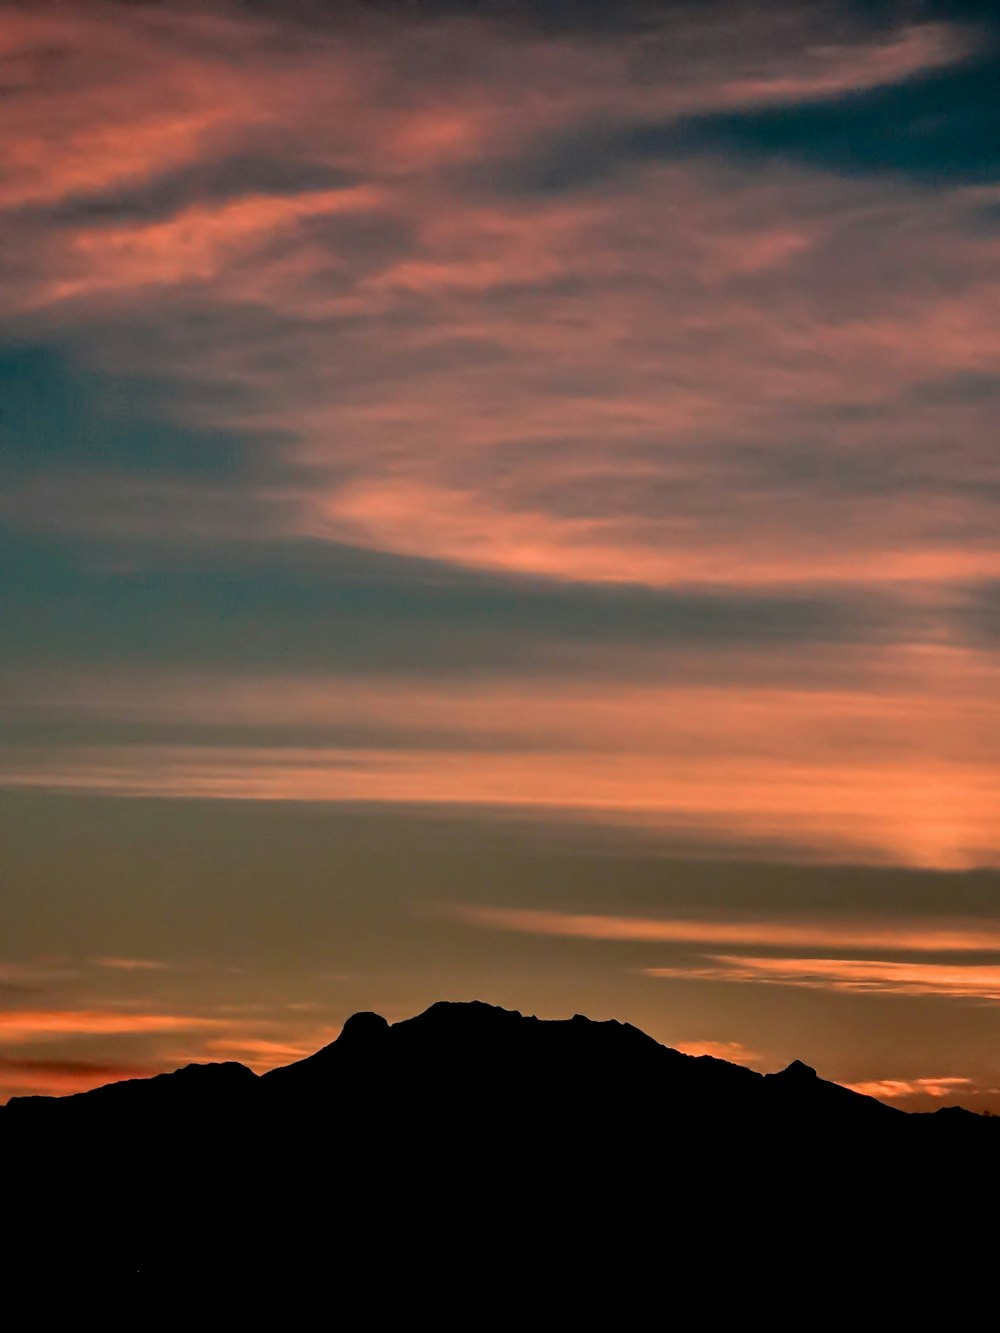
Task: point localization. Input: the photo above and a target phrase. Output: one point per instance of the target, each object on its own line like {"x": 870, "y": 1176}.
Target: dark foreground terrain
{"x": 471, "y": 1148}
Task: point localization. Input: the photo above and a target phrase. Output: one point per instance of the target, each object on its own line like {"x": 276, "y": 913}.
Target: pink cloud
{"x": 193, "y": 246}
{"x": 675, "y": 332}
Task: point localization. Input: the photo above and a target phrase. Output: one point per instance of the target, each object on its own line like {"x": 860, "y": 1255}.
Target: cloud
{"x": 856, "y": 106}
{"x": 230, "y": 177}
{"x": 898, "y": 935}
{"x": 27, "y": 1025}
{"x": 937, "y": 128}
{"x": 130, "y": 964}
{"x": 732, "y": 1051}
{"x": 943, "y": 817}
{"x": 966, "y": 981}
{"x": 444, "y": 369}
{"x": 331, "y": 297}
{"x": 258, "y": 1052}
{"x": 302, "y": 607}
{"x": 193, "y": 246}
{"x": 893, "y": 1089}
{"x": 941, "y": 971}
{"x": 89, "y": 1040}
{"x": 979, "y": 614}
{"x": 47, "y": 1077}
{"x": 804, "y": 767}
{"x": 37, "y": 977}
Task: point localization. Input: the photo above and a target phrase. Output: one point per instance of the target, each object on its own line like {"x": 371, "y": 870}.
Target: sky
{"x": 499, "y": 501}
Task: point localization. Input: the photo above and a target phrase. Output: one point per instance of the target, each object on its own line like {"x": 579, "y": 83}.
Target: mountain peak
{"x": 363, "y": 1027}
{"x": 799, "y": 1071}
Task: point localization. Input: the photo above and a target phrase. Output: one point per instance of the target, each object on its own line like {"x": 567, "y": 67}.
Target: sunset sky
{"x": 499, "y": 501}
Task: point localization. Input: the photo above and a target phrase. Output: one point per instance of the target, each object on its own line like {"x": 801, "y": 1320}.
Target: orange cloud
{"x": 258, "y": 1052}
{"x": 964, "y": 980}
{"x": 899, "y": 935}
{"x": 25, "y": 1025}
{"x": 732, "y": 1051}
{"x": 892, "y": 1089}
{"x": 857, "y": 975}
{"x": 939, "y": 818}
{"x": 925, "y": 704}
{"x": 810, "y": 765}
{"x": 47, "y": 1077}
{"x": 424, "y": 517}
{"x": 942, "y": 810}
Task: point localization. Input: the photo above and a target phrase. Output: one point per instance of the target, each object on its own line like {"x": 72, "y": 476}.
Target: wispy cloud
{"x": 732, "y": 1051}
{"x": 896, "y": 934}
{"x": 894, "y": 1089}
{"x": 25, "y": 1025}
{"x": 939, "y": 818}
{"x": 194, "y": 246}
{"x": 968, "y": 981}
{"x": 806, "y": 766}
{"x": 257, "y": 1051}
{"x": 513, "y": 307}
{"x": 130, "y": 964}
{"x": 37, "y": 975}
{"x": 939, "y": 969}
{"x": 465, "y": 347}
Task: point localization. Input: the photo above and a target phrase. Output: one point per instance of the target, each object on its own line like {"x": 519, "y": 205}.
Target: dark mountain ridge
{"x": 463, "y": 1121}
{"x": 466, "y": 1042}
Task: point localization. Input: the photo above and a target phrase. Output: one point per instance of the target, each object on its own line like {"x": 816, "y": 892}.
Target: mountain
{"x": 465, "y": 1128}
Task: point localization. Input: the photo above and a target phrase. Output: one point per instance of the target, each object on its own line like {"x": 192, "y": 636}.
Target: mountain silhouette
{"x": 467, "y": 1127}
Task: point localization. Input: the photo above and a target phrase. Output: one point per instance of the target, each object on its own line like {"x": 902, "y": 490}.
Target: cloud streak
{"x": 864, "y": 976}
{"x": 938, "y": 970}
{"x": 898, "y": 936}
{"x": 894, "y": 1089}
{"x": 943, "y": 817}
{"x": 26, "y": 1025}
{"x": 811, "y": 767}
{"x": 37, "y": 1076}
{"x": 732, "y": 1051}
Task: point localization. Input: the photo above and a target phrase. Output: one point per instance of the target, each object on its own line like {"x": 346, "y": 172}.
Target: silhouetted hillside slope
{"x": 457, "y": 1127}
